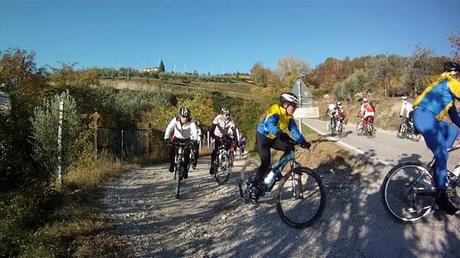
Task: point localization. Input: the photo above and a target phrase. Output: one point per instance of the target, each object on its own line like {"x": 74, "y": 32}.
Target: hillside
{"x": 234, "y": 89}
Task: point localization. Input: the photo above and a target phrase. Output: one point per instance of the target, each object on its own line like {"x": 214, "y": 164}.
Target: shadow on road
{"x": 212, "y": 221}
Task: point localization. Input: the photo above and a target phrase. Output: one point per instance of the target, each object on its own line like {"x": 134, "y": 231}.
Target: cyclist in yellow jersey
{"x": 435, "y": 102}
{"x": 270, "y": 133}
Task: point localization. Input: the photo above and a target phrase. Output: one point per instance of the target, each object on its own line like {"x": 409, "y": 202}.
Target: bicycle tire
{"x": 317, "y": 196}
{"x": 178, "y": 179}
{"x": 370, "y": 131}
{"x": 221, "y": 176}
{"x": 360, "y": 128}
{"x": 340, "y": 130}
{"x": 402, "y": 131}
{"x": 247, "y": 174}
{"x": 405, "y": 192}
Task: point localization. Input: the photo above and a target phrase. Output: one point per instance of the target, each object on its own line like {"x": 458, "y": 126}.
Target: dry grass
{"x": 90, "y": 174}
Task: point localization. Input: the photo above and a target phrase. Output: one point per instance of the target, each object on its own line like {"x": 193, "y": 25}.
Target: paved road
{"x": 385, "y": 147}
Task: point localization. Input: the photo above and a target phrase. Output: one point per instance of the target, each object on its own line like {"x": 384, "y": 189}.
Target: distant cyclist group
{"x": 423, "y": 117}
{"x": 338, "y": 117}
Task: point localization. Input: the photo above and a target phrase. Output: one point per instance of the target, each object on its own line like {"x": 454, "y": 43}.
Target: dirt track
{"x": 211, "y": 221}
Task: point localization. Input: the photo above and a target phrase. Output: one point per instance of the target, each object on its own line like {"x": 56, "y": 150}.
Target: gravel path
{"x": 211, "y": 221}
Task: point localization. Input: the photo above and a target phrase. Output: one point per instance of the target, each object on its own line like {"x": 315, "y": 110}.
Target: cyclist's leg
{"x": 196, "y": 147}
{"x": 427, "y": 124}
{"x": 450, "y": 133}
{"x": 172, "y": 156}
{"x": 187, "y": 161}
{"x": 282, "y": 146}
{"x": 214, "y": 154}
{"x": 263, "y": 149}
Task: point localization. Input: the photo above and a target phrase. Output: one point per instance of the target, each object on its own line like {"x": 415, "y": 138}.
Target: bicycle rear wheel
{"x": 246, "y": 179}
{"x": 408, "y": 192}
{"x": 301, "y": 198}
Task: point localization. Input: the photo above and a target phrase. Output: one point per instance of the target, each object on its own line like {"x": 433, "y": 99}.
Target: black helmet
{"x": 184, "y": 112}
{"x": 451, "y": 67}
{"x": 289, "y": 97}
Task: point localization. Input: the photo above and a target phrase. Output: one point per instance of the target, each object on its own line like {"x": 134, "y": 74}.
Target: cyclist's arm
{"x": 169, "y": 129}
{"x": 403, "y": 107}
{"x": 453, "y": 114}
{"x": 295, "y": 131}
{"x": 193, "y": 132}
{"x": 271, "y": 124}
{"x": 211, "y": 131}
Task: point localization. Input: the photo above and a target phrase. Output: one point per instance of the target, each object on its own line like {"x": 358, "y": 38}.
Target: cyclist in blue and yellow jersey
{"x": 270, "y": 133}
{"x": 435, "y": 102}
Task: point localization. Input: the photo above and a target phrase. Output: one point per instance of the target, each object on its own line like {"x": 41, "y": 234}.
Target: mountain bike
{"x": 368, "y": 130}
{"x": 182, "y": 148}
{"x": 300, "y": 196}
{"x": 409, "y": 191}
{"x": 223, "y": 164}
{"x": 331, "y": 125}
{"x": 193, "y": 153}
{"x": 407, "y": 131}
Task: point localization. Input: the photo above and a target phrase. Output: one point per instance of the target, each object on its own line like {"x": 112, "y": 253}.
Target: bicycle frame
{"x": 432, "y": 192}
{"x": 179, "y": 155}
{"x": 281, "y": 164}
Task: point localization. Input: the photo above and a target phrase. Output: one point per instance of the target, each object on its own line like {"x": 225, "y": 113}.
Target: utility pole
{"x": 300, "y": 102}
{"x": 59, "y": 167}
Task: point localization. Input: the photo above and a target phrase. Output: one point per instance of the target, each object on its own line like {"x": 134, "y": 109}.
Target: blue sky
{"x": 222, "y": 36}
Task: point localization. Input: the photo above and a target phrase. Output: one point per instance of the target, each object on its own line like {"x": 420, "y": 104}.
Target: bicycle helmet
{"x": 225, "y": 111}
{"x": 289, "y": 97}
{"x": 339, "y": 103}
{"x": 184, "y": 112}
{"x": 452, "y": 67}
{"x": 364, "y": 99}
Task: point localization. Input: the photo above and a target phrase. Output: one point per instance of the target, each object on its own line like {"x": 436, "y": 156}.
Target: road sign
{"x": 306, "y": 112}
{"x": 304, "y": 94}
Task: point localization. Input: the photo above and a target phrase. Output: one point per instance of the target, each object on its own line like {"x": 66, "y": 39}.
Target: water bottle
{"x": 270, "y": 179}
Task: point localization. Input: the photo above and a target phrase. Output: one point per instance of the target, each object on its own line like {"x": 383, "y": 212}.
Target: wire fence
{"x": 124, "y": 143}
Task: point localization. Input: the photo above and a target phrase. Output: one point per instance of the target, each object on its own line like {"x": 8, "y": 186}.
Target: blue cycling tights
{"x": 439, "y": 136}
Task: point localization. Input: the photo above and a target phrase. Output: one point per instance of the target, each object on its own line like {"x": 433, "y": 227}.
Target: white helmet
{"x": 289, "y": 97}
{"x": 364, "y": 99}
{"x": 404, "y": 98}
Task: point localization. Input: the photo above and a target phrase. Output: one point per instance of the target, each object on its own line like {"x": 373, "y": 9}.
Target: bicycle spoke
{"x": 408, "y": 192}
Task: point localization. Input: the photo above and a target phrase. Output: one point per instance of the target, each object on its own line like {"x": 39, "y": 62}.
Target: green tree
{"x": 161, "y": 67}
{"x": 26, "y": 84}
{"x": 45, "y": 131}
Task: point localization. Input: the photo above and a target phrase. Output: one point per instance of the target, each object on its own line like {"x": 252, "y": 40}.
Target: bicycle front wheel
{"x": 178, "y": 177}
{"x": 408, "y": 192}
{"x": 402, "y": 131}
{"x": 245, "y": 183}
{"x": 222, "y": 169}
{"x": 301, "y": 198}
